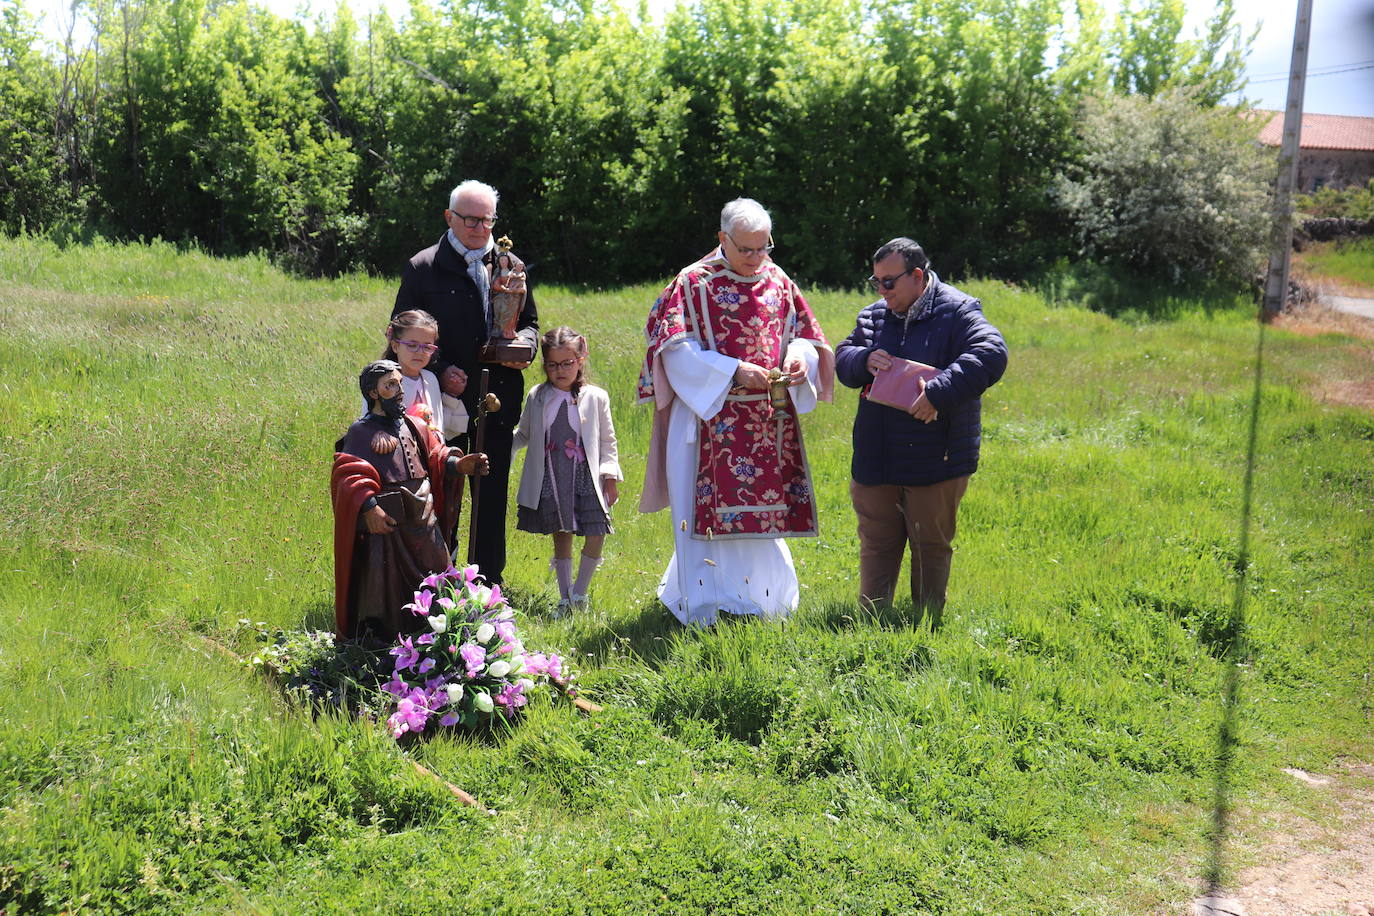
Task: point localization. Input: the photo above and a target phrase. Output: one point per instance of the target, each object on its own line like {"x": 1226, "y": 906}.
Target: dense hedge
{"x": 614, "y": 140}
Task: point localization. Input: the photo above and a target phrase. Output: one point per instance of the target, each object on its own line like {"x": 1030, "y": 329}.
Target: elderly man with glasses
{"x": 911, "y": 466}
{"x": 734, "y": 357}
{"x": 451, "y": 280}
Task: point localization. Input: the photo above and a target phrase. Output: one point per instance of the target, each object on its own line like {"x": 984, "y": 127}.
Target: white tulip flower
{"x": 438, "y": 622}
{"x": 485, "y": 632}
{"x": 483, "y": 702}
{"x": 455, "y": 692}
{"x": 499, "y": 669}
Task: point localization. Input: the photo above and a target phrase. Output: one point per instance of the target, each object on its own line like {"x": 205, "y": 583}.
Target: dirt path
{"x": 1334, "y": 294}
{"x": 1315, "y": 853}
{"x": 1336, "y": 305}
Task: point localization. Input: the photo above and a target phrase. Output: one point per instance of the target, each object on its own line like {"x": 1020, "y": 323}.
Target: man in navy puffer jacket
{"x": 911, "y": 468}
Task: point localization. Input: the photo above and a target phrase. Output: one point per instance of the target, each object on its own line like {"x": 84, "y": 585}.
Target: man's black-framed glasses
{"x": 885, "y": 284}
{"x": 472, "y": 222}
{"x": 750, "y": 252}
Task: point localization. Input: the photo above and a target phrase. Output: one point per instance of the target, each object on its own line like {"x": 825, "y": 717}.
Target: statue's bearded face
{"x": 389, "y": 395}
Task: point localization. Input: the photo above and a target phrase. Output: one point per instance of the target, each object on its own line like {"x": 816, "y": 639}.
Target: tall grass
{"x": 167, "y": 426}
{"x": 1350, "y": 261}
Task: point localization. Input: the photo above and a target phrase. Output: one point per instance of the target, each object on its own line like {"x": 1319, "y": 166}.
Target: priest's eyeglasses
{"x": 566, "y": 364}
{"x": 749, "y": 252}
{"x": 415, "y": 346}
{"x": 886, "y": 283}
{"x": 472, "y": 222}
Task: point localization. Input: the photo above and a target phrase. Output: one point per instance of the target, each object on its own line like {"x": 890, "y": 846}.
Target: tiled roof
{"x": 1321, "y": 131}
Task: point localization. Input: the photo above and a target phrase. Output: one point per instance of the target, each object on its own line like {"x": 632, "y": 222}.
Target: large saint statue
{"x": 734, "y": 357}
{"x": 396, "y": 491}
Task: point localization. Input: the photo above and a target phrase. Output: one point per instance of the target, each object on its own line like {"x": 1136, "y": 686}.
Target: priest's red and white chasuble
{"x": 752, "y": 478}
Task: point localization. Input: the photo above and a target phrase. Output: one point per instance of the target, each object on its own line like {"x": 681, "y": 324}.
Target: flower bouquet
{"x": 470, "y": 667}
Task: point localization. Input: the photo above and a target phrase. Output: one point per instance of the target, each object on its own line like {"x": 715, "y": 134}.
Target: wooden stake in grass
{"x": 457, "y": 793}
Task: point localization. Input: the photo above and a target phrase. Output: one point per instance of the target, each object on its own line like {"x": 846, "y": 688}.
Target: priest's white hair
{"x": 472, "y": 188}
{"x": 744, "y": 214}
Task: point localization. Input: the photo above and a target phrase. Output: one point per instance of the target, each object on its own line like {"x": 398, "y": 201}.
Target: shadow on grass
{"x": 1231, "y": 650}
{"x": 1130, "y": 296}
{"x": 845, "y": 615}
{"x": 649, "y": 636}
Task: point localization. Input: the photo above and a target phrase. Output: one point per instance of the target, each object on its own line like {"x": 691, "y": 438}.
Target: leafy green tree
{"x": 282, "y": 176}
{"x": 841, "y": 128}
{"x": 997, "y": 127}
{"x": 614, "y": 141}
{"x": 1167, "y": 186}
{"x": 31, "y": 193}
{"x": 1152, "y": 56}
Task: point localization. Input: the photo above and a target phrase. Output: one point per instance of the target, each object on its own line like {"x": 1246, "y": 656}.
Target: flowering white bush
{"x": 470, "y": 666}
{"x": 1165, "y": 184}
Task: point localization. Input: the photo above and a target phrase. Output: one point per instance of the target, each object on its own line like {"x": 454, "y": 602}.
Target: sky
{"x": 1342, "y": 39}
{"x": 1340, "y": 63}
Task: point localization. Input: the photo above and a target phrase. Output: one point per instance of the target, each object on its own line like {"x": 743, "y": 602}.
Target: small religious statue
{"x": 396, "y": 490}
{"x": 507, "y": 301}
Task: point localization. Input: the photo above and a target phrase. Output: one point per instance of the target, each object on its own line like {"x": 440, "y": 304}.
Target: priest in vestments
{"x": 729, "y": 464}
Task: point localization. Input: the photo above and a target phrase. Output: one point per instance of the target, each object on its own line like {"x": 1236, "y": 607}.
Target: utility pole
{"x": 1281, "y": 247}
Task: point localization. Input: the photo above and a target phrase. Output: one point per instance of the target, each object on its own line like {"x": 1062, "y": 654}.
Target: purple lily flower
{"x": 406, "y": 655}
{"x": 411, "y": 714}
{"x": 420, "y": 606}
{"x": 512, "y": 697}
{"x": 474, "y": 656}
{"x": 396, "y": 687}
{"x": 451, "y": 719}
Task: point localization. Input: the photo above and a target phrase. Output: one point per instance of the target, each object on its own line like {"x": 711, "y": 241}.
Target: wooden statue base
{"x": 507, "y": 351}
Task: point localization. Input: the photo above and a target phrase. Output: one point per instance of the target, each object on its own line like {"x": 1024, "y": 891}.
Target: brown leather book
{"x": 901, "y": 384}
{"x": 393, "y": 504}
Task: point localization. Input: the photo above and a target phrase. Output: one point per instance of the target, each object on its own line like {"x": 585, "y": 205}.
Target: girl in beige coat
{"x": 571, "y": 475}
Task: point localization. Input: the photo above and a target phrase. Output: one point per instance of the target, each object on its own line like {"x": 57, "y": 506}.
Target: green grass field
{"x": 1350, "y": 261}
{"x": 167, "y": 425}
